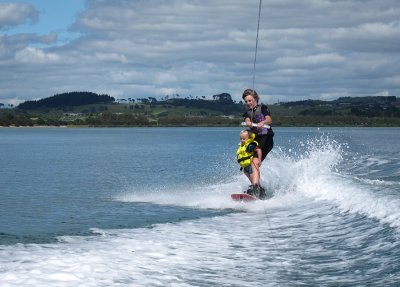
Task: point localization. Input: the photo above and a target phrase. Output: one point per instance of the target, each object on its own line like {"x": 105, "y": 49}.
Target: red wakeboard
{"x": 243, "y": 197}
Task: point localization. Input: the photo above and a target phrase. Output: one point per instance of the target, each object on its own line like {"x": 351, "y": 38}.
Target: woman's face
{"x": 250, "y": 102}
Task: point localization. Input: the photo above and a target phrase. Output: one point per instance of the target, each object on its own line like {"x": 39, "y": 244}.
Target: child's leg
{"x": 255, "y": 175}
{"x": 248, "y": 175}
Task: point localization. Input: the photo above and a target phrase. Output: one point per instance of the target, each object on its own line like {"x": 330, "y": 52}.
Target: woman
{"x": 260, "y": 115}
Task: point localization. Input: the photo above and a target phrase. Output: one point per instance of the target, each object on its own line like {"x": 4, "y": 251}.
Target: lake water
{"x": 152, "y": 207}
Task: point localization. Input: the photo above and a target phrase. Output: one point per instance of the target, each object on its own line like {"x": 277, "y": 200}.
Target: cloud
{"x": 12, "y": 14}
{"x": 311, "y": 60}
{"x": 11, "y": 45}
{"x": 31, "y": 55}
{"x": 307, "y": 49}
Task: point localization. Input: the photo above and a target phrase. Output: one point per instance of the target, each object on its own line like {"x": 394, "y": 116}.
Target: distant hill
{"x": 67, "y": 100}
{"x": 345, "y": 100}
{"x": 222, "y": 103}
{"x": 90, "y": 109}
{"x": 376, "y": 106}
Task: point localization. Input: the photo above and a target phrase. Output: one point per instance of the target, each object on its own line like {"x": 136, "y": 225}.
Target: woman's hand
{"x": 249, "y": 123}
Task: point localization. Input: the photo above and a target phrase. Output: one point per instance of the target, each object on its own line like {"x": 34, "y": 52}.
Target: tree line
{"x": 102, "y": 110}
{"x": 67, "y": 100}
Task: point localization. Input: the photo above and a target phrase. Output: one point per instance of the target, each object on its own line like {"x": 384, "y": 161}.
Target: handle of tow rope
{"x": 255, "y": 125}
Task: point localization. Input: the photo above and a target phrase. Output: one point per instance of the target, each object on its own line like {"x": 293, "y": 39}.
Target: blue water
{"x": 151, "y": 207}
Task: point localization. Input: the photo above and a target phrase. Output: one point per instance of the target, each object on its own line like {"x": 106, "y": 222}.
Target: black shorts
{"x": 266, "y": 143}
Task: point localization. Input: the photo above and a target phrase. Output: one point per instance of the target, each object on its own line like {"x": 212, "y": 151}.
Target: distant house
{"x": 72, "y": 114}
{"x": 230, "y": 117}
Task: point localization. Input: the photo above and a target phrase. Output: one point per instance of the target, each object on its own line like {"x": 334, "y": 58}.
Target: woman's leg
{"x": 255, "y": 175}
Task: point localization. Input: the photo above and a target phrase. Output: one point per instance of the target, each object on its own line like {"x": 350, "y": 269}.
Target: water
{"x": 151, "y": 207}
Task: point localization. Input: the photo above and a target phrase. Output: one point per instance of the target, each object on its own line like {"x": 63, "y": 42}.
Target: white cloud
{"x": 12, "y": 14}
{"x": 307, "y": 49}
{"x": 31, "y": 55}
{"x": 393, "y": 80}
{"x": 383, "y": 94}
{"x": 110, "y": 57}
{"x": 311, "y": 60}
{"x": 163, "y": 77}
{"x": 125, "y": 77}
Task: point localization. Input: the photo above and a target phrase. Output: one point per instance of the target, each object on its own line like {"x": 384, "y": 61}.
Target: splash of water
{"x": 318, "y": 174}
{"x": 311, "y": 169}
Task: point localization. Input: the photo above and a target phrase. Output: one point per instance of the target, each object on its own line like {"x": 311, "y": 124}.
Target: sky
{"x": 306, "y": 49}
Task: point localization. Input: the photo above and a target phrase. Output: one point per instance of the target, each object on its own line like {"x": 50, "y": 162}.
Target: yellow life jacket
{"x": 244, "y": 157}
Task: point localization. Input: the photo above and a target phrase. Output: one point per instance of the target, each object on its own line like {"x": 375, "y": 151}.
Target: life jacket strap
{"x": 244, "y": 158}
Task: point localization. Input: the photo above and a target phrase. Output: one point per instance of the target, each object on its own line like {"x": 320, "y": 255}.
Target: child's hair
{"x": 244, "y": 131}
{"x": 250, "y": 134}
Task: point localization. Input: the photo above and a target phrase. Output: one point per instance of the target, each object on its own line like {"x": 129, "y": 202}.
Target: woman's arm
{"x": 267, "y": 121}
{"x": 267, "y": 118}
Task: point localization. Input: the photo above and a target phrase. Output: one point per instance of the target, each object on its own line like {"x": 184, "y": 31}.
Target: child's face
{"x": 243, "y": 137}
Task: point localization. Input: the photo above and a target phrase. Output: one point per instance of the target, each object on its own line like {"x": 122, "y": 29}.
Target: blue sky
{"x": 132, "y": 49}
{"x": 53, "y": 16}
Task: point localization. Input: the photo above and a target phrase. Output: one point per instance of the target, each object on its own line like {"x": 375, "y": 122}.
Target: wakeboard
{"x": 243, "y": 197}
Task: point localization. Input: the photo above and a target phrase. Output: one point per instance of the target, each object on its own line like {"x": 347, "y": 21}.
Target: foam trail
{"x": 317, "y": 175}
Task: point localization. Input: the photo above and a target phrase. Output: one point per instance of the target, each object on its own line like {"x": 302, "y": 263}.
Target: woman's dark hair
{"x": 251, "y": 92}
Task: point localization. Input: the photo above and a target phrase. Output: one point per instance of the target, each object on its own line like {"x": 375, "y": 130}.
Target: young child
{"x": 248, "y": 156}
